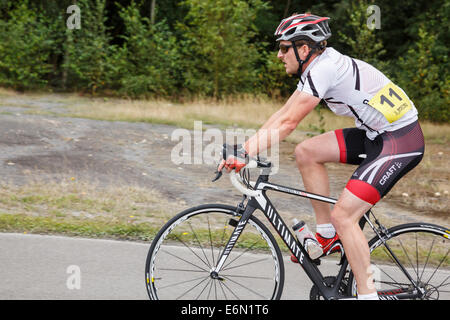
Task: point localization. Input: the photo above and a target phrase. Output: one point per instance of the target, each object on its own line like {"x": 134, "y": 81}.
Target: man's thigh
{"x": 322, "y": 148}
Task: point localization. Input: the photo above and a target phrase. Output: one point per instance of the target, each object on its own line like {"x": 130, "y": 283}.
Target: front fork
{"x": 239, "y": 227}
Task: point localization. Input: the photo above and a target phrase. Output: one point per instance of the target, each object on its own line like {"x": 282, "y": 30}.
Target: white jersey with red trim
{"x": 354, "y": 88}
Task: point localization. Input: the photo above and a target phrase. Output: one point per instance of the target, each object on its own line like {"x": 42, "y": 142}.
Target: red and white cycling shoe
{"x": 329, "y": 245}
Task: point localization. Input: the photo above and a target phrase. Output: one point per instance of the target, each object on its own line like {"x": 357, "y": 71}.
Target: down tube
{"x": 291, "y": 242}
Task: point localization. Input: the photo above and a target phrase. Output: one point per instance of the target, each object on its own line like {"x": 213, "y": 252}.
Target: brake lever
{"x": 217, "y": 177}
{"x": 218, "y": 173}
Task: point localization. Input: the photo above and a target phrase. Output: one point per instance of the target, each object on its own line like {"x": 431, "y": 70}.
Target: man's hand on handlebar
{"x": 234, "y": 158}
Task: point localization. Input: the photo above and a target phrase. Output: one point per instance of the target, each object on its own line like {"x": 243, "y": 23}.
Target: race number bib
{"x": 391, "y": 101}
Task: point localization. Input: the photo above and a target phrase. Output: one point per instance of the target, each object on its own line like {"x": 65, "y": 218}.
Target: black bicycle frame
{"x": 265, "y": 205}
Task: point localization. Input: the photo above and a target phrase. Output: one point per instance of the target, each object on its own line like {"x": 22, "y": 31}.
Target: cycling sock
{"x": 326, "y": 230}
{"x": 370, "y": 296}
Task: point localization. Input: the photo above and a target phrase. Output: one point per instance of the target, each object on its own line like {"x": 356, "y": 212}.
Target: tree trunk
{"x": 286, "y": 10}
{"x": 152, "y": 11}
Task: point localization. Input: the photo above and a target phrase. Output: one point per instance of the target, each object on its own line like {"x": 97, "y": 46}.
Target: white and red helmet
{"x": 302, "y": 26}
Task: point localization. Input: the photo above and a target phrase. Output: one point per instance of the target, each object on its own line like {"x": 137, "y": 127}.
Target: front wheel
{"x": 185, "y": 251}
{"x": 423, "y": 251}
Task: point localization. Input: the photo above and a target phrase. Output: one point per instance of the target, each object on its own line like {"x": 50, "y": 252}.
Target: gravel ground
{"x": 40, "y": 142}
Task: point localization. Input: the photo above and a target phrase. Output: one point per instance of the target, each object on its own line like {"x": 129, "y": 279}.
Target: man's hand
{"x": 234, "y": 158}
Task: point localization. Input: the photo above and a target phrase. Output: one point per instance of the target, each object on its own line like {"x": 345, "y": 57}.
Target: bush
{"x": 24, "y": 49}
{"x": 420, "y": 76}
{"x": 148, "y": 62}
{"x": 87, "y": 49}
{"x": 218, "y": 57}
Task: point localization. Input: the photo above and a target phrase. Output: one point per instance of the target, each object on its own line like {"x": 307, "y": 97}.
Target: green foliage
{"x": 219, "y": 58}
{"x": 24, "y": 49}
{"x": 363, "y": 42}
{"x": 214, "y": 48}
{"x": 87, "y": 49}
{"x": 421, "y": 77}
{"x": 148, "y": 62}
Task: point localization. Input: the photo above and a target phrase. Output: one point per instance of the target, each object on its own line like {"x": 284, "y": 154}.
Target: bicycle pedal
{"x": 316, "y": 261}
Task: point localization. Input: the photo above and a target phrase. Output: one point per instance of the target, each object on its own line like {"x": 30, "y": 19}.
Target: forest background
{"x": 185, "y": 50}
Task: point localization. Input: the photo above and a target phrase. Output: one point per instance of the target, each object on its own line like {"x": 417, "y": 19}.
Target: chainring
{"x": 315, "y": 294}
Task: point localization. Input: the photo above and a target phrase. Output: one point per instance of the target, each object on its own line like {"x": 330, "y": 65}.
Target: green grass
{"x": 78, "y": 208}
{"x": 77, "y": 227}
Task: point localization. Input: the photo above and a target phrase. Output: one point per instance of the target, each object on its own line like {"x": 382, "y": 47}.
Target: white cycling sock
{"x": 370, "y": 296}
{"x": 326, "y": 230}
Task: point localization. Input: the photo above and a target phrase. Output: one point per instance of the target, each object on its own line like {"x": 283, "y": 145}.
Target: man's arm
{"x": 284, "y": 121}
{"x": 277, "y": 114}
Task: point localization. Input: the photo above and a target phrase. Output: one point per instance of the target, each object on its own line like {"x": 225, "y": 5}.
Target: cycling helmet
{"x": 303, "y": 26}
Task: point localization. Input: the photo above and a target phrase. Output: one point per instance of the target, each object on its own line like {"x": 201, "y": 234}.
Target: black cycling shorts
{"x": 382, "y": 161}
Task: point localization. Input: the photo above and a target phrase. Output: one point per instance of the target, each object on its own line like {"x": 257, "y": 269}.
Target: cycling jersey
{"x": 354, "y": 88}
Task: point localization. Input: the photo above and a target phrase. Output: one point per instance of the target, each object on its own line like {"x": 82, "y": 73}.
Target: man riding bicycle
{"x": 386, "y": 143}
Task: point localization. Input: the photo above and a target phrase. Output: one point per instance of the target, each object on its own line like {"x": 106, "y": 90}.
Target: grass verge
{"x": 23, "y": 223}
{"x": 80, "y": 208}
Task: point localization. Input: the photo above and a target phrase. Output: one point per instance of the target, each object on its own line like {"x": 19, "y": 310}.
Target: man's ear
{"x": 304, "y": 50}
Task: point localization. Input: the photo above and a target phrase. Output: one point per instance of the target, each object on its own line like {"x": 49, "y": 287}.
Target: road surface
{"x": 55, "y": 267}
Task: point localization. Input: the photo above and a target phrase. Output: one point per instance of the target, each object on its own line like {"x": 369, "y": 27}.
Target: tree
{"x": 363, "y": 42}
{"x": 421, "y": 77}
{"x": 219, "y": 58}
{"x": 148, "y": 61}
{"x": 25, "y": 48}
{"x": 88, "y": 48}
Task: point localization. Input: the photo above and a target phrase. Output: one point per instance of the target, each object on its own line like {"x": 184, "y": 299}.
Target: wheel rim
{"x": 182, "y": 262}
{"x": 423, "y": 252}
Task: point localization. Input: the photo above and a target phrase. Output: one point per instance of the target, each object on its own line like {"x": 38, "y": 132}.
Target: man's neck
{"x": 314, "y": 56}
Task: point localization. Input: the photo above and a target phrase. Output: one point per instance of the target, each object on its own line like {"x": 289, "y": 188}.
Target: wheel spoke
{"x": 246, "y": 288}
{"x": 199, "y": 244}
{"x": 191, "y": 244}
{"x": 419, "y": 253}
{"x": 440, "y": 263}
{"x": 189, "y": 290}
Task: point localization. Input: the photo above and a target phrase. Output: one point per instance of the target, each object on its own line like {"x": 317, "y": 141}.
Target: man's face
{"x": 288, "y": 58}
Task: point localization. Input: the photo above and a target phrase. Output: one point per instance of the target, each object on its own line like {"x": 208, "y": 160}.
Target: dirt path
{"x": 47, "y": 147}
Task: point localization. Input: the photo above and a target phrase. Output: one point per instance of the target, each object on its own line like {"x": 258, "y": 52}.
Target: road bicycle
{"x": 216, "y": 252}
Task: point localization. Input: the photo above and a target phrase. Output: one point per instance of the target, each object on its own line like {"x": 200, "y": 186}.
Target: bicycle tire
{"x": 181, "y": 258}
{"x": 423, "y": 250}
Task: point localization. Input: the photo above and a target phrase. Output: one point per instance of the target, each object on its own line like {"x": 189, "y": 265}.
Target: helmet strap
{"x": 300, "y": 61}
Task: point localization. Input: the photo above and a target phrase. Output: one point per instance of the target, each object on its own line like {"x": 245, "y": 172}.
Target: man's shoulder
{"x": 327, "y": 63}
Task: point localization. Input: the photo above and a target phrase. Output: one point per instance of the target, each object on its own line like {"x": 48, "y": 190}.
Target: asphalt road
{"x": 55, "y": 267}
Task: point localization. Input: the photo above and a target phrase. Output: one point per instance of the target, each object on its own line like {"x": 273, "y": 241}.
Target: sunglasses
{"x": 285, "y": 48}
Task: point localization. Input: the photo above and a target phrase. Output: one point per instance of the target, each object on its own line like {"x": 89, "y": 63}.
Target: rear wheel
{"x": 423, "y": 250}
{"x": 184, "y": 253}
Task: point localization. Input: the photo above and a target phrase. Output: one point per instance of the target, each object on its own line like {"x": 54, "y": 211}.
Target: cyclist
{"x": 386, "y": 143}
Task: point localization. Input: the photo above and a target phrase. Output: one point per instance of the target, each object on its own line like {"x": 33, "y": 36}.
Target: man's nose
{"x": 279, "y": 55}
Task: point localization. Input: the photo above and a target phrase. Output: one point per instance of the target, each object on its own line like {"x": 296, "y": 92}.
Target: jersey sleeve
{"x": 318, "y": 81}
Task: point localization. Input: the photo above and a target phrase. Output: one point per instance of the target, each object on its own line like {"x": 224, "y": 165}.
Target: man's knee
{"x": 340, "y": 218}
{"x": 348, "y": 211}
